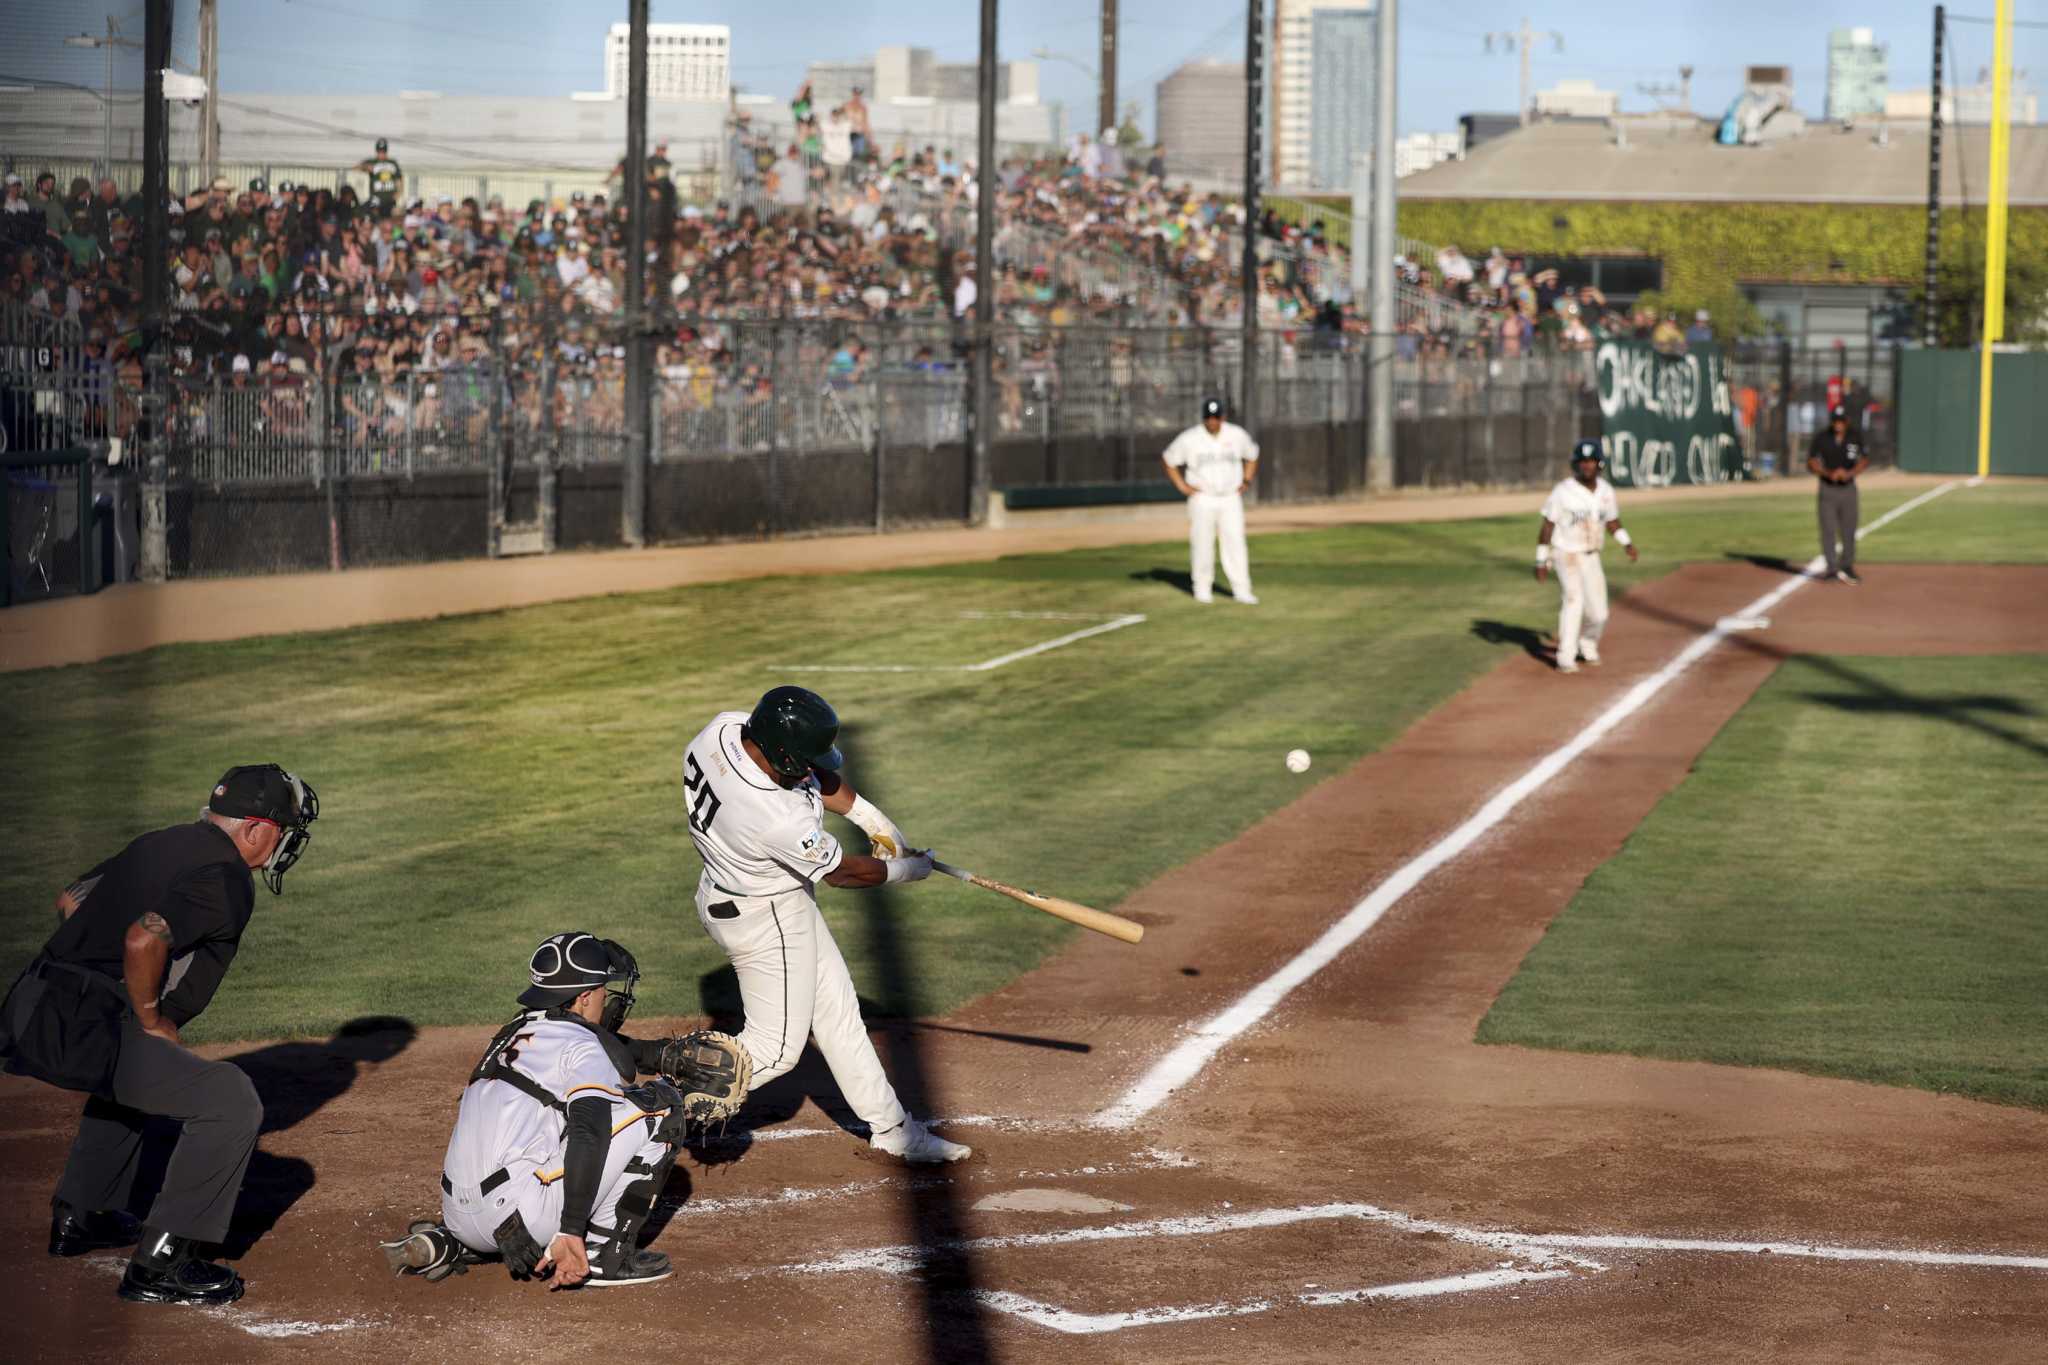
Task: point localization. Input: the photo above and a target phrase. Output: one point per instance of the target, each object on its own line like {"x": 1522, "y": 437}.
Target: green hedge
{"x": 1709, "y": 250}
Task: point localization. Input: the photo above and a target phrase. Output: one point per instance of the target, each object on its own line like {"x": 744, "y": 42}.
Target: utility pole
{"x": 1106, "y": 113}
{"x": 1661, "y": 91}
{"x": 209, "y": 71}
{"x": 1254, "y": 99}
{"x": 1930, "y": 305}
{"x": 1522, "y": 39}
{"x": 987, "y": 181}
{"x": 1379, "y": 448}
{"x": 633, "y": 484}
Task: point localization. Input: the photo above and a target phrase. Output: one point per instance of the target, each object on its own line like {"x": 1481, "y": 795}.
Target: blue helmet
{"x": 1587, "y": 450}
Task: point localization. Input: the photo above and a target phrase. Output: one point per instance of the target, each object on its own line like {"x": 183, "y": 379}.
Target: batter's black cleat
{"x": 73, "y": 1233}
{"x": 167, "y": 1269}
{"x": 635, "y": 1267}
{"x": 1850, "y": 576}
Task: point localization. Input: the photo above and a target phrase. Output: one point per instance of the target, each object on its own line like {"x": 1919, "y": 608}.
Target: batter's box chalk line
{"x": 1531, "y": 1258}
{"x": 1105, "y": 624}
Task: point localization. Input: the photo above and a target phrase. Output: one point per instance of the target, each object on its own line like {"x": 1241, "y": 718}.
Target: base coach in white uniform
{"x": 1212, "y": 463}
{"x": 757, "y": 787}
{"x": 1577, "y": 516}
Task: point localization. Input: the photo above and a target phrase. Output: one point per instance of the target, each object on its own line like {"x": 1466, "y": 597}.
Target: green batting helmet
{"x": 796, "y": 730}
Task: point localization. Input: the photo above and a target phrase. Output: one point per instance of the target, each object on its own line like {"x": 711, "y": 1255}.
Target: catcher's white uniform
{"x": 1214, "y": 467}
{"x": 512, "y": 1141}
{"x": 764, "y": 848}
{"x": 1580, "y": 515}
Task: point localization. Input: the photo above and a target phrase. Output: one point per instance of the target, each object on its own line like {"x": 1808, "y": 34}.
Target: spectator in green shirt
{"x": 80, "y": 242}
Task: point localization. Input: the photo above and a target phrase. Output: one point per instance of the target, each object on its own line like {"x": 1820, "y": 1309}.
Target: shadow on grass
{"x": 1532, "y": 642}
{"x": 1871, "y": 696}
{"x": 1173, "y": 578}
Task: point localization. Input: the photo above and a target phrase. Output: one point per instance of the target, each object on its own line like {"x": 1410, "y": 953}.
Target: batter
{"x": 756, "y": 787}
{"x": 1577, "y": 516}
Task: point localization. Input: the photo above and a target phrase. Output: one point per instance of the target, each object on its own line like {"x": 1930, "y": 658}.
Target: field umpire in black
{"x": 1836, "y": 457}
{"x": 145, "y": 939}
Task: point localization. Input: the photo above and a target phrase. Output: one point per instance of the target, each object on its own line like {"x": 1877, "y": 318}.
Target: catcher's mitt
{"x": 712, "y": 1070}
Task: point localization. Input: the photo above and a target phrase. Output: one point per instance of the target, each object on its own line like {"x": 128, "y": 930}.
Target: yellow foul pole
{"x": 1994, "y": 234}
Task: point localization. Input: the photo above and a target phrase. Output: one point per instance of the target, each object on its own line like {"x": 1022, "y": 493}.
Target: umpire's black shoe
{"x": 635, "y": 1267}
{"x": 167, "y": 1269}
{"x": 73, "y": 1233}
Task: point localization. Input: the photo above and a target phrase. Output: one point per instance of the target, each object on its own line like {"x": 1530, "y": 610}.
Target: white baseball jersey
{"x": 499, "y": 1124}
{"x": 1581, "y": 514}
{"x": 756, "y": 838}
{"x": 1213, "y": 464}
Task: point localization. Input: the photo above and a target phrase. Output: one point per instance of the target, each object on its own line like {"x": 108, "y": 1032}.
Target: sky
{"x": 554, "y": 46}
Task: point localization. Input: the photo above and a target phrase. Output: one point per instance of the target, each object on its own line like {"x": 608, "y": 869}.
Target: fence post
{"x": 153, "y": 565}
{"x": 323, "y": 445}
{"x": 881, "y": 443}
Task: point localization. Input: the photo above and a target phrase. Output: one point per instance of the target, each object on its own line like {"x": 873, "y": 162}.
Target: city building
{"x": 1201, "y": 120}
{"x": 915, "y": 73}
{"x": 1420, "y": 151}
{"x": 1969, "y": 105}
{"x": 1857, "y": 72}
{"x": 684, "y": 61}
{"x": 1861, "y": 195}
{"x": 1317, "y": 47}
{"x": 1576, "y": 99}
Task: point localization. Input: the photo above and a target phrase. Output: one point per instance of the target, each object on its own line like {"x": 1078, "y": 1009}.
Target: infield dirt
{"x": 1362, "y": 1089}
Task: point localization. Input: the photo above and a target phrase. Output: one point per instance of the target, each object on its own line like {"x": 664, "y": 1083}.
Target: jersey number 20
{"x": 704, "y": 801}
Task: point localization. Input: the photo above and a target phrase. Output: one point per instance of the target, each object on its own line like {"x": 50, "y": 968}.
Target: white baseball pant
{"x": 795, "y": 985}
{"x": 1583, "y": 615}
{"x": 536, "y": 1192}
{"x": 1213, "y": 517}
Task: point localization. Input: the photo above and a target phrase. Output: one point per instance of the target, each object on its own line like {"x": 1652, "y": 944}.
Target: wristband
{"x": 1542, "y": 555}
{"x": 870, "y": 820}
{"x": 1621, "y": 536}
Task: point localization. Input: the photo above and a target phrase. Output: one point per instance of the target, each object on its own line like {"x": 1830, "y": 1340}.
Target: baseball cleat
{"x": 1590, "y": 656}
{"x": 1567, "y": 668}
{"x": 636, "y": 1267}
{"x": 1248, "y": 600}
{"x": 167, "y": 1269}
{"x": 912, "y": 1141}
{"x": 428, "y": 1250}
{"x": 1849, "y": 576}
{"x": 1204, "y": 598}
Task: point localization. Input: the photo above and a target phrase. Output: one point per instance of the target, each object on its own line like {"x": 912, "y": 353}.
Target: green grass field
{"x": 487, "y": 780}
{"x": 1852, "y": 882}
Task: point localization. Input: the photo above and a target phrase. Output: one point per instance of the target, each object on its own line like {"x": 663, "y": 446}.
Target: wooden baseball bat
{"x": 1101, "y": 921}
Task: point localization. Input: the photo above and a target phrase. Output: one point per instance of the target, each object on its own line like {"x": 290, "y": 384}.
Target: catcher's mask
{"x": 566, "y": 965}
{"x": 795, "y": 729}
{"x": 266, "y": 792}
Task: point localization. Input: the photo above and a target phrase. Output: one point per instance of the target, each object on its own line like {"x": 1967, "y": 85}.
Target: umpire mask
{"x": 264, "y": 791}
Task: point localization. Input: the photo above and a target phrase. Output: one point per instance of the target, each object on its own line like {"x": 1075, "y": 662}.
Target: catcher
{"x": 557, "y": 1155}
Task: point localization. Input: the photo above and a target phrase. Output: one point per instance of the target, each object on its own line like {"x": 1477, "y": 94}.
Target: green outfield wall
{"x": 1938, "y": 412}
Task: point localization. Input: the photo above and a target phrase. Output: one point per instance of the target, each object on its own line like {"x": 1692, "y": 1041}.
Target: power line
{"x": 495, "y": 155}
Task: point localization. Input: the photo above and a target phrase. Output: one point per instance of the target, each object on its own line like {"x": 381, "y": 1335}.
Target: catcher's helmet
{"x": 566, "y": 965}
{"x": 795, "y": 729}
{"x": 1587, "y": 450}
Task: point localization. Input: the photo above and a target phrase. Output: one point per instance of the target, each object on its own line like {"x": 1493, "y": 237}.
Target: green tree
{"x": 1959, "y": 300}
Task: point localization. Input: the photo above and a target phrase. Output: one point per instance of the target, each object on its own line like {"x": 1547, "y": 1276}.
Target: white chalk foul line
{"x": 986, "y": 665}
{"x": 1186, "y": 1059}
{"x": 1086, "y": 1324}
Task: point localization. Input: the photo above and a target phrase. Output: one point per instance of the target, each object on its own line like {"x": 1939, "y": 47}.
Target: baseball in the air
{"x": 1297, "y": 760}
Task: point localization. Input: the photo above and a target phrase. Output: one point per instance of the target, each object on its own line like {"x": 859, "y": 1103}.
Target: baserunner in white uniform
{"x": 558, "y": 1155}
{"x": 1212, "y": 463}
{"x": 757, "y": 787}
{"x": 1577, "y": 516}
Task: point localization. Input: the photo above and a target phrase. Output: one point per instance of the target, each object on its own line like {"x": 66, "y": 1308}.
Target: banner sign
{"x": 1666, "y": 419}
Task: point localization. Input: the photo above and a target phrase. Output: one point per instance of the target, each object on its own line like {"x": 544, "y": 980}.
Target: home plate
{"x": 1729, "y": 623}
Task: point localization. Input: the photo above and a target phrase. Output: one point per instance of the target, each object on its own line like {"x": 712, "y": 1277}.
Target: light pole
{"x": 1044, "y": 56}
{"x": 109, "y": 43}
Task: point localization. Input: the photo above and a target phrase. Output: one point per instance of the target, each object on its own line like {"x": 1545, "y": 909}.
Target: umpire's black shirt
{"x": 1842, "y": 452}
{"x": 192, "y": 875}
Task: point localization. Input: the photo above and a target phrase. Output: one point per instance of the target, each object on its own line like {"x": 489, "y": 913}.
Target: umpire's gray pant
{"x": 1838, "y": 525}
{"x": 220, "y": 1113}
